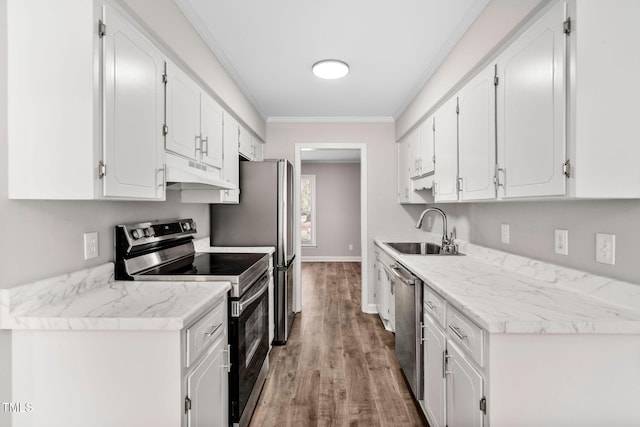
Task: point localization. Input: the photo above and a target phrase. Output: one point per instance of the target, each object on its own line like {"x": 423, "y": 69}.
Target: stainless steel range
{"x": 164, "y": 251}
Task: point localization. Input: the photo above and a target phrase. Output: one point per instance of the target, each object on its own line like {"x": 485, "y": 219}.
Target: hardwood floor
{"x": 338, "y": 367}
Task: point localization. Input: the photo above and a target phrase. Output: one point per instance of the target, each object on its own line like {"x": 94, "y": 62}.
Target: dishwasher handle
{"x": 403, "y": 275}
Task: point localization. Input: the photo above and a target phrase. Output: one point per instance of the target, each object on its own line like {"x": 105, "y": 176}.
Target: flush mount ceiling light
{"x": 330, "y": 69}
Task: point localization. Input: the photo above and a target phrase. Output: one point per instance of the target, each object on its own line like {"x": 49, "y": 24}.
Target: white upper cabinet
{"x": 183, "y": 113}
{"x": 134, "y": 113}
{"x": 93, "y": 127}
{"x": 194, "y": 120}
{"x": 531, "y": 110}
{"x": 249, "y": 146}
{"x": 231, "y": 168}
{"x": 211, "y": 125}
{"x": 477, "y": 137}
{"x": 605, "y": 87}
{"x": 413, "y": 153}
{"x": 427, "y": 146}
{"x": 403, "y": 171}
{"x": 245, "y": 145}
{"x": 446, "y": 150}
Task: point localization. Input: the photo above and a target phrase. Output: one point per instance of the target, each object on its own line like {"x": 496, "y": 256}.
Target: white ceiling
{"x": 392, "y": 47}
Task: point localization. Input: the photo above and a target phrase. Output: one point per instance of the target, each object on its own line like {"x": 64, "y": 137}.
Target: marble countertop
{"x": 91, "y": 299}
{"x": 521, "y": 296}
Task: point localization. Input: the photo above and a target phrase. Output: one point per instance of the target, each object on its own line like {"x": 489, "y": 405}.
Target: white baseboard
{"x": 331, "y": 259}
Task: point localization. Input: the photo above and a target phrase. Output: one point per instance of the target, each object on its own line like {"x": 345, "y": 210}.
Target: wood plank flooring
{"x": 338, "y": 367}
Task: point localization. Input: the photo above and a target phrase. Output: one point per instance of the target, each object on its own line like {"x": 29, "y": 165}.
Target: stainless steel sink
{"x": 418, "y": 248}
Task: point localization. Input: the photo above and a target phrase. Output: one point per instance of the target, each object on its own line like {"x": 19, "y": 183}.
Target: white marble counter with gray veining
{"x": 91, "y": 299}
{"x": 505, "y": 293}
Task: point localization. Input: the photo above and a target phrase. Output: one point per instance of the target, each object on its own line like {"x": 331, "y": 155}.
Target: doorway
{"x": 338, "y": 152}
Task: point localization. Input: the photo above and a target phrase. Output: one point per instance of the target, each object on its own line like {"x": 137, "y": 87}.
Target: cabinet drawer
{"x": 205, "y": 331}
{"x": 466, "y": 334}
{"x": 434, "y": 305}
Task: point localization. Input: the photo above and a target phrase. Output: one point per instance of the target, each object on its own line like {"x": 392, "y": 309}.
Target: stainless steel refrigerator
{"x": 264, "y": 217}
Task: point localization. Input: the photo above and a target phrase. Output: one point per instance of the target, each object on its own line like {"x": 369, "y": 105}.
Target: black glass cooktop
{"x": 209, "y": 264}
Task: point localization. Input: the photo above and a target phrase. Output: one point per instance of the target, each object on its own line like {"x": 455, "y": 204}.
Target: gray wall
{"x": 532, "y": 227}
{"x": 337, "y": 209}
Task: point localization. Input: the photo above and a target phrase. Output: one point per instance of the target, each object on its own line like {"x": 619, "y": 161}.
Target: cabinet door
{"x": 183, "y": 113}
{"x": 404, "y": 169}
{"x": 531, "y": 109}
{"x": 434, "y": 382}
{"x": 211, "y": 126}
{"x": 133, "y": 113}
{"x": 244, "y": 143}
{"x": 207, "y": 387}
{"x": 413, "y": 141}
{"x": 477, "y": 137}
{"x": 464, "y": 391}
{"x": 258, "y": 150}
{"x": 446, "y": 149}
{"x": 427, "y": 133}
{"x": 230, "y": 160}
{"x": 383, "y": 290}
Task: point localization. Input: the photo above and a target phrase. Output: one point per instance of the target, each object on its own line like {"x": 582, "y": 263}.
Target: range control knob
{"x": 186, "y": 226}
{"x": 136, "y": 234}
{"x": 148, "y": 232}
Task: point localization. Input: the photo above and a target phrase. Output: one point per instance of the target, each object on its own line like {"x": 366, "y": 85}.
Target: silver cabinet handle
{"x": 198, "y": 146}
{"x": 431, "y": 306}
{"x": 205, "y": 144}
{"x": 213, "y": 330}
{"x": 456, "y": 331}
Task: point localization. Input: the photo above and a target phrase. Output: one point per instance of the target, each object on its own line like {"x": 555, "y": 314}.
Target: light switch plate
{"x": 562, "y": 242}
{"x": 606, "y": 248}
{"x": 504, "y": 233}
{"x": 91, "y": 245}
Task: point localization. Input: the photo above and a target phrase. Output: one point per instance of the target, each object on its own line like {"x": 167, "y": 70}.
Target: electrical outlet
{"x": 606, "y": 248}
{"x": 504, "y": 233}
{"x": 429, "y": 222}
{"x": 350, "y": 247}
{"x": 91, "y": 245}
{"x": 562, "y": 242}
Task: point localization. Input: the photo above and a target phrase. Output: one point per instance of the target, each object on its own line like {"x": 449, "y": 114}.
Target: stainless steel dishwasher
{"x": 408, "y": 304}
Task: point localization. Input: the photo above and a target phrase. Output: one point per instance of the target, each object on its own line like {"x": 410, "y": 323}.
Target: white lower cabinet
{"x": 208, "y": 389}
{"x": 125, "y": 378}
{"x": 464, "y": 387}
{"x": 384, "y": 293}
{"x": 434, "y": 373}
{"x": 453, "y": 382}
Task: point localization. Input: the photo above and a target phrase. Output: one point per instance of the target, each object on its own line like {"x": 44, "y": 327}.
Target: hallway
{"x": 338, "y": 367}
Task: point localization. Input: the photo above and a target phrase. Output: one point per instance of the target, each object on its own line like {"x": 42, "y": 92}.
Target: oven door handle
{"x": 242, "y": 304}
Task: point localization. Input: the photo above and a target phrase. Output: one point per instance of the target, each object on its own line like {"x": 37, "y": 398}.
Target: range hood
{"x": 187, "y": 174}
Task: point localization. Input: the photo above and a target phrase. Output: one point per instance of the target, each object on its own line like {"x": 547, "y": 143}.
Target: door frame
{"x": 364, "y": 286}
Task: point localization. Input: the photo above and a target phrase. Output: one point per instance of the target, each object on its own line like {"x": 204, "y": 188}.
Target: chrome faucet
{"x": 447, "y": 240}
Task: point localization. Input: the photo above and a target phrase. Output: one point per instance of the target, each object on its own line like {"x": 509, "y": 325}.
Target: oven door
{"x": 249, "y": 339}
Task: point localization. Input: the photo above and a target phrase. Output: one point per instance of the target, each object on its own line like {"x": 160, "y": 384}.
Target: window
{"x": 308, "y": 210}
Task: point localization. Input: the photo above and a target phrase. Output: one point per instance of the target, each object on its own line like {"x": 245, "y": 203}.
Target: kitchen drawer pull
{"x": 213, "y": 330}
{"x": 456, "y": 331}
{"x": 431, "y": 306}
